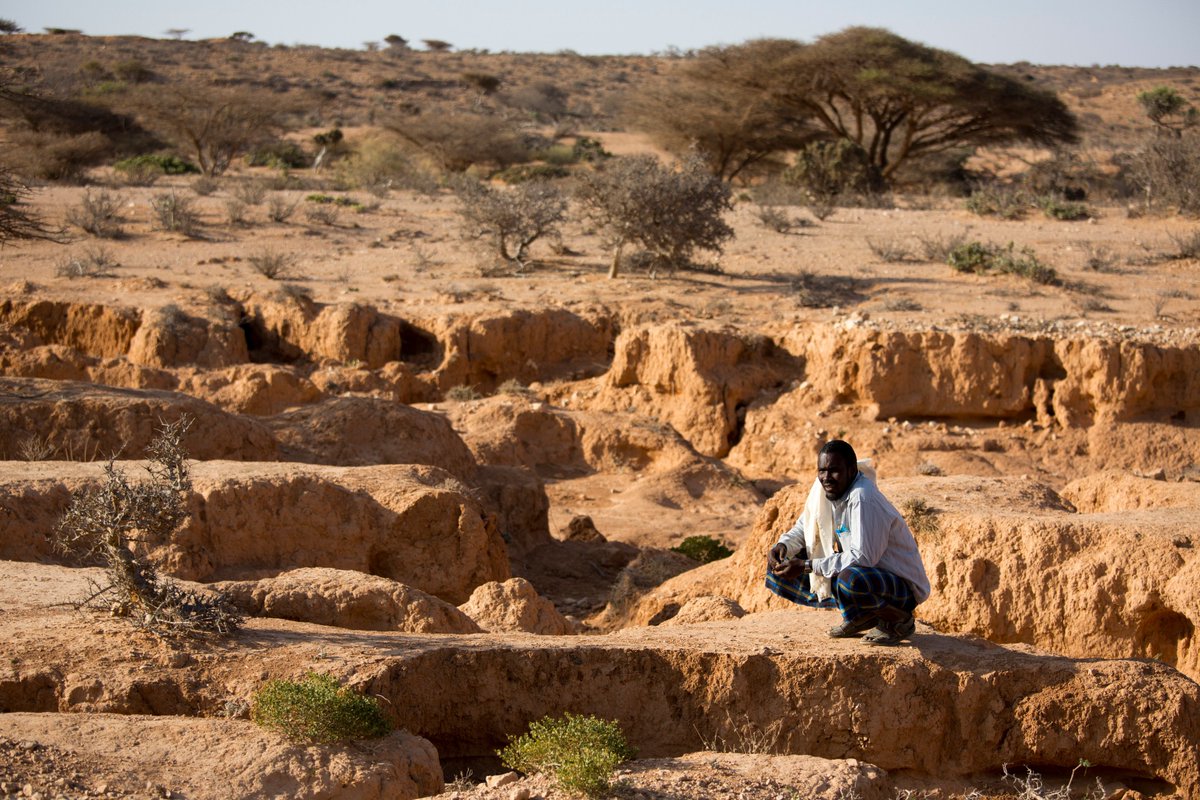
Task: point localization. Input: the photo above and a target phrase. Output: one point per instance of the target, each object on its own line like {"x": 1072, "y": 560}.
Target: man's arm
{"x": 862, "y": 545}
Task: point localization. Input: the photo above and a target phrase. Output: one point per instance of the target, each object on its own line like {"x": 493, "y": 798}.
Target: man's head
{"x": 837, "y": 467}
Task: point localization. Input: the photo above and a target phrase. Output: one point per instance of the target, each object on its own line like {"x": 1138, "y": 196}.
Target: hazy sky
{"x": 1155, "y": 33}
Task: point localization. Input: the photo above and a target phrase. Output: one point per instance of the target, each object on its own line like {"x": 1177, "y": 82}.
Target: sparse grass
{"x": 98, "y": 214}
{"x": 775, "y": 219}
{"x": 35, "y": 447}
{"x": 280, "y": 209}
{"x": 251, "y": 192}
{"x": 324, "y": 214}
{"x": 1187, "y": 245}
{"x": 93, "y": 262}
{"x": 890, "y": 251}
{"x": 271, "y": 264}
{"x": 937, "y": 248}
{"x": 295, "y": 293}
{"x": 920, "y": 516}
{"x": 515, "y": 387}
{"x": 319, "y": 710}
{"x": 1000, "y": 201}
{"x": 581, "y": 752}
{"x": 462, "y": 393}
{"x": 175, "y": 212}
{"x": 204, "y": 185}
{"x": 1030, "y": 786}
{"x": 744, "y": 737}
{"x": 1097, "y": 257}
{"x": 1164, "y": 297}
{"x": 901, "y": 303}
{"x": 235, "y": 212}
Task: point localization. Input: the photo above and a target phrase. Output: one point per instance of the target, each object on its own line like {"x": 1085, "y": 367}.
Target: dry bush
{"x": 251, "y": 192}
{"x": 1166, "y": 170}
{"x": 35, "y": 447}
{"x": 93, "y": 262}
{"x": 280, "y": 209}
{"x": 670, "y": 212}
{"x": 235, "y": 211}
{"x": 458, "y": 140}
{"x": 205, "y": 185}
{"x": 512, "y": 219}
{"x": 175, "y": 212}
{"x": 322, "y": 214}
{"x": 998, "y": 200}
{"x": 938, "y": 248}
{"x": 271, "y": 264}
{"x": 99, "y": 214}
{"x": 110, "y": 522}
{"x": 215, "y": 124}
{"x": 15, "y": 221}
{"x": 1187, "y": 245}
{"x": 890, "y": 251}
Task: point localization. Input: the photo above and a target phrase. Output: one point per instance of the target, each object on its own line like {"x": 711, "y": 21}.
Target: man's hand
{"x": 777, "y": 557}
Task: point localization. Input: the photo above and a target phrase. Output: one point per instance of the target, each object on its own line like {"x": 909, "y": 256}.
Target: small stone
{"x": 520, "y": 793}
{"x": 496, "y": 781}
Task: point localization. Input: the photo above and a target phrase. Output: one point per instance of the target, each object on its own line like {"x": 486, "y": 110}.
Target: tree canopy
{"x": 896, "y": 99}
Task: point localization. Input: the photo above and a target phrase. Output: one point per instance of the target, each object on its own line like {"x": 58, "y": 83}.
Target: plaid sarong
{"x": 864, "y": 590}
{"x": 797, "y": 590}
{"x": 856, "y": 592}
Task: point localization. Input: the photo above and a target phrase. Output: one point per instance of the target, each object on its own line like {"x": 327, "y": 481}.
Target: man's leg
{"x": 869, "y": 596}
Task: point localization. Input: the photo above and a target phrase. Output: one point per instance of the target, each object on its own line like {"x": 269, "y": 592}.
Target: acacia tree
{"x": 899, "y": 99}
{"x": 16, "y": 221}
{"x": 1168, "y": 109}
{"x": 714, "y": 105}
{"x": 216, "y": 124}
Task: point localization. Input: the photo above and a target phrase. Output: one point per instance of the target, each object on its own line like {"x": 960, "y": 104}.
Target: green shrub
{"x": 523, "y": 173}
{"x": 971, "y": 257}
{"x": 982, "y": 258}
{"x": 1066, "y": 210}
{"x": 998, "y": 201}
{"x": 580, "y": 751}
{"x": 168, "y": 165}
{"x": 317, "y": 708}
{"x": 278, "y": 155}
{"x": 703, "y": 548}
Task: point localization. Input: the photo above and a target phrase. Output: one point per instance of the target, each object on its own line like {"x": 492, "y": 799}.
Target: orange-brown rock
{"x": 346, "y": 599}
{"x": 256, "y": 389}
{"x": 698, "y": 380}
{"x": 414, "y": 525}
{"x": 523, "y": 345}
{"x": 354, "y": 431}
{"x": 212, "y": 758}
{"x": 92, "y": 329}
{"x": 706, "y": 608}
{"x": 515, "y": 606}
{"x": 168, "y": 337}
{"x": 84, "y": 421}
{"x": 291, "y": 328}
{"x": 1073, "y": 382}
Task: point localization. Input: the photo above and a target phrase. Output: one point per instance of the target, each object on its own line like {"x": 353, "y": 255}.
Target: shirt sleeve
{"x": 793, "y": 538}
{"x": 863, "y": 543}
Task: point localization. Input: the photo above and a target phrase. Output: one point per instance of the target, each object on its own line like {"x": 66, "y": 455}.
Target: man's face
{"x": 835, "y": 474}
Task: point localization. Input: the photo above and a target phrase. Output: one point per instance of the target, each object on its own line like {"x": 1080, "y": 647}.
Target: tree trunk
{"x": 616, "y": 260}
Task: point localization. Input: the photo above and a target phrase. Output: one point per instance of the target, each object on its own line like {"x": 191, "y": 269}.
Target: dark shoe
{"x": 852, "y": 627}
{"x": 890, "y": 633}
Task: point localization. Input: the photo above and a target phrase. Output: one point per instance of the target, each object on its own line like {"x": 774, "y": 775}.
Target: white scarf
{"x": 818, "y": 529}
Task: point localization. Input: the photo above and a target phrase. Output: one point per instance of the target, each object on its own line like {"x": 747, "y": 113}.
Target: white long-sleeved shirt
{"x": 871, "y": 533}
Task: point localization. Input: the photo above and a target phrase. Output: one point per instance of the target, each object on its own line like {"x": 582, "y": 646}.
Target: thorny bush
{"x": 107, "y": 522}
